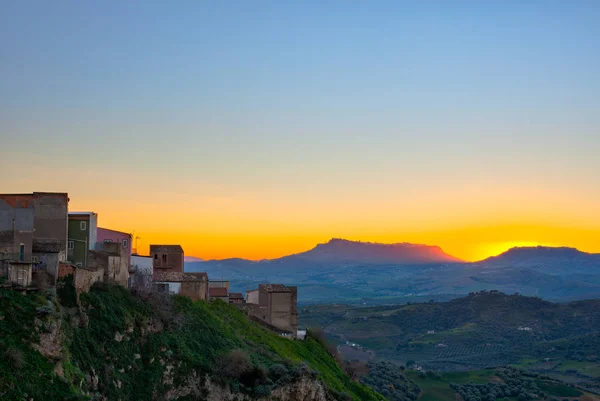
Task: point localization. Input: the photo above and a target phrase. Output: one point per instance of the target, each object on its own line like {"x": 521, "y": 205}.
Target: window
{"x": 125, "y": 243}
{"x": 107, "y": 241}
{"x": 164, "y": 258}
{"x": 71, "y": 245}
{"x": 22, "y": 253}
{"x": 83, "y": 225}
{"x": 156, "y": 256}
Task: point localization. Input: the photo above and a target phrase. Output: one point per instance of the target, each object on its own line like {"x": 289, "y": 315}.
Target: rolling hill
{"x": 474, "y": 332}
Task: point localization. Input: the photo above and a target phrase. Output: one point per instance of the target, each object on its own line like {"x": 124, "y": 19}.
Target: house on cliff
{"x": 33, "y": 237}
{"x": 276, "y": 305}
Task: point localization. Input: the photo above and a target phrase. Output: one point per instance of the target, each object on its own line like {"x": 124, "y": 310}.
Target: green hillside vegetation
{"x": 481, "y": 330}
{"x": 119, "y": 346}
{"x": 491, "y": 385}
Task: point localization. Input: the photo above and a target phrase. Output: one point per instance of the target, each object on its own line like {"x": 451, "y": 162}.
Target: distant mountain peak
{"x": 531, "y": 255}
{"x": 541, "y": 250}
{"x": 347, "y": 251}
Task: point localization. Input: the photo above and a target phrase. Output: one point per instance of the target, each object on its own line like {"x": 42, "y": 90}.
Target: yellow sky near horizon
{"x": 221, "y": 228}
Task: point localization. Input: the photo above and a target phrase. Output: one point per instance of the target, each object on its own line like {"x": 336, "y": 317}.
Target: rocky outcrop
{"x": 306, "y": 388}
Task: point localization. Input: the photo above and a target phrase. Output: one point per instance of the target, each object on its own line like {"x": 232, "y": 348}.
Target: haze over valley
{"x": 361, "y": 272}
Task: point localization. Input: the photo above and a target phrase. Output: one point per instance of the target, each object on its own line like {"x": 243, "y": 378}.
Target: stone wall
{"x": 84, "y": 279}
{"x": 64, "y": 269}
{"x": 194, "y": 289}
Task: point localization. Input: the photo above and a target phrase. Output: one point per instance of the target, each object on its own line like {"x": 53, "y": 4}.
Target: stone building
{"x": 191, "y": 285}
{"x": 277, "y": 306}
{"x": 236, "y": 298}
{"x": 218, "y": 293}
{"x": 167, "y": 258}
{"x": 112, "y": 259}
{"x": 33, "y": 236}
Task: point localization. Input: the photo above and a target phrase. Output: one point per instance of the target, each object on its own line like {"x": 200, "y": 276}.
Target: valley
{"x": 484, "y": 329}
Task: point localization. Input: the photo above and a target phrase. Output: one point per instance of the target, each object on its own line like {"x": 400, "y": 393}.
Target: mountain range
{"x": 363, "y": 272}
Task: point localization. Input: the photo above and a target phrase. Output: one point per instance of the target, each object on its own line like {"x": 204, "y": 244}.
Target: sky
{"x": 259, "y": 129}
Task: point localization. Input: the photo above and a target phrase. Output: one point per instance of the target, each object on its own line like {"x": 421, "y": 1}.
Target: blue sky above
{"x": 306, "y": 100}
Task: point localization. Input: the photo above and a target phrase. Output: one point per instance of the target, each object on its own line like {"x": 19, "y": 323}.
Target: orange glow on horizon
{"x": 264, "y": 228}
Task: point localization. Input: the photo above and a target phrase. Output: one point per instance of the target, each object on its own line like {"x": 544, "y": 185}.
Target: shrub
{"x": 15, "y": 358}
{"x": 236, "y": 364}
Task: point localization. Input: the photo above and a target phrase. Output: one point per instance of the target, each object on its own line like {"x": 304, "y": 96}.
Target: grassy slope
{"x": 132, "y": 367}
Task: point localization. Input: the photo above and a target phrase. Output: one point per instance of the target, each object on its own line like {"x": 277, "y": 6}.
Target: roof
{"x": 217, "y": 292}
{"x": 25, "y": 200}
{"x": 47, "y": 246}
{"x": 199, "y": 276}
{"x": 114, "y": 231}
{"x": 236, "y": 295}
{"x": 166, "y": 249}
{"x": 274, "y": 287}
{"x": 178, "y": 277}
{"x": 249, "y": 291}
{"x": 81, "y": 213}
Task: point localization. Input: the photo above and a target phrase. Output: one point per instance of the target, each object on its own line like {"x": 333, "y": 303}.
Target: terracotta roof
{"x": 236, "y": 295}
{"x": 178, "y": 277}
{"x": 217, "y": 292}
{"x": 274, "y": 287}
{"x": 166, "y": 249}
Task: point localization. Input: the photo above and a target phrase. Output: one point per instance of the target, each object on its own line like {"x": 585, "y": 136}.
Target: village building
{"x": 33, "y": 237}
{"x": 276, "y": 307}
{"x": 167, "y": 258}
{"x": 252, "y": 297}
{"x": 82, "y": 237}
{"x": 112, "y": 259}
{"x": 191, "y": 285}
{"x": 218, "y": 293}
{"x": 236, "y": 298}
{"x": 219, "y": 284}
{"x": 106, "y": 235}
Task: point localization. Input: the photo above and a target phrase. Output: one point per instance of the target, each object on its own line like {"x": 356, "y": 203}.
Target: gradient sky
{"x": 257, "y": 129}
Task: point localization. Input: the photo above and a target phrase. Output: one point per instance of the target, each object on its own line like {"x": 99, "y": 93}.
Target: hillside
{"x": 115, "y": 346}
{"x": 480, "y": 330}
{"x": 557, "y": 260}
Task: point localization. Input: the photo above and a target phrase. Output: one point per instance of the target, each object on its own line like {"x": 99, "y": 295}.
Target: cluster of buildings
{"x": 41, "y": 242}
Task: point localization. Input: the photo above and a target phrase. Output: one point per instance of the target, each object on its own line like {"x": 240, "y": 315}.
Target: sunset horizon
{"x": 261, "y": 131}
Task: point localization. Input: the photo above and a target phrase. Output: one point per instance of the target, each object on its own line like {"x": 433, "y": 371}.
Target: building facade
{"x": 83, "y": 235}
{"x": 106, "y": 235}
{"x": 110, "y": 257}
{"x": 218, "y": 293}
{"x": 33, "y": 236}
{"x": 167, "y": 258}
{"x": 191, "y": 285}
{"x": 277, "y": 306}
{"x": 236, "y": 298}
